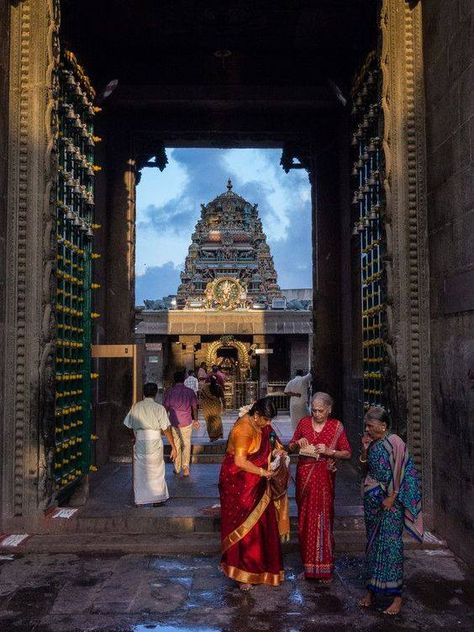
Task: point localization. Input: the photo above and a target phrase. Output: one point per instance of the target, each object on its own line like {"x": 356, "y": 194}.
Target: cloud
{"x": 293, "y": 256}
{"x": 261, "y": 178}
{"x": 167, "y": 218}
{"x": 157, "y": 282}
{"x": 169, "y": 207}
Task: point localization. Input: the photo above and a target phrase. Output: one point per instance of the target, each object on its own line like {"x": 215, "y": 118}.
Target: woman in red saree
{"x": 321, "y": 441}
{"x": 252, "y": 522}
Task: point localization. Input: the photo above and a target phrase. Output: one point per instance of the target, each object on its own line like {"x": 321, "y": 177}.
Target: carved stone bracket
{"x": 150, "y": 155}
{"x": 296, "y": 157}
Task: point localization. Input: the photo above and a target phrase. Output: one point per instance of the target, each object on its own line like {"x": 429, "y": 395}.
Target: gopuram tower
{"x": 229, "y": 264}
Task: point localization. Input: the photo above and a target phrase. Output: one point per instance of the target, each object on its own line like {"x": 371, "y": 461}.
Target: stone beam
{"x": 222, "y": 97}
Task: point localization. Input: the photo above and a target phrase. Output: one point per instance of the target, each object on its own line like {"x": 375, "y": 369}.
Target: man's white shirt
{"x": 192, "y": 383}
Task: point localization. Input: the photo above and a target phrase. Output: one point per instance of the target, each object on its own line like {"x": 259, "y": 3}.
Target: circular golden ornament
{"x": 225, "y": 293}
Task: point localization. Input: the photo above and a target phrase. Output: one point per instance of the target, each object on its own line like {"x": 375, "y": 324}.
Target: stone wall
{"x": 449, "y": 76}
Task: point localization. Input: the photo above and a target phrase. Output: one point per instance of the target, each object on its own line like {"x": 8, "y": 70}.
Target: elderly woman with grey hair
{"x": 392, "y": 501}
{"x": 321, "y": 442}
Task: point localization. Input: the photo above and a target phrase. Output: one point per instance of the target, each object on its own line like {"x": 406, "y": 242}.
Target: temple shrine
{"x": 229, "y": 309}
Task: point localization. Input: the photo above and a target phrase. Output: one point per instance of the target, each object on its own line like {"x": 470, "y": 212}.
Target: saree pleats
{"x": 315, "y": 500}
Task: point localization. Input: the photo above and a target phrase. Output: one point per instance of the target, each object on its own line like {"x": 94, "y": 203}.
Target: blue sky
{"x": 169, "y": 205}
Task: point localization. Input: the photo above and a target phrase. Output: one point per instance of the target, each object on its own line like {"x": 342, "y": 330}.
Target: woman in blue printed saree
{"x": 392, "y": 501}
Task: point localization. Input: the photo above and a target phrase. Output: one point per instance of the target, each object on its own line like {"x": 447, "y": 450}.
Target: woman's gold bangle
{"x": 362, "y": 460}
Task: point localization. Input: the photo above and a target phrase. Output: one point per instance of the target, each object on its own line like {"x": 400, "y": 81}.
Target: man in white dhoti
{"x": 297, "y": 389}
{"x": 148, "y": 420}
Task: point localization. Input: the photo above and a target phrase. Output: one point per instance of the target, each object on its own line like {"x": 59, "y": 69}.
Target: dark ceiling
{"x": 246, "y": 43}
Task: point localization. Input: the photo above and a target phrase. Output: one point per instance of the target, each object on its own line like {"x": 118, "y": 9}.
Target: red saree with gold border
{"x": 315, "y": 486}
{"x": 251, "y": 549}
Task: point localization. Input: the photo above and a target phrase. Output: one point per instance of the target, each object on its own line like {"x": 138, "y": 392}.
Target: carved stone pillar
{"x": 27, "y": 339}
{"x": 406, "y": 222}
{"x": 326, "y": 203}
{"x": 189, "y": 351}
{"x": 4, "y": 75}
{"x": 262, "y": 342}
{"x": 119, "y": 283}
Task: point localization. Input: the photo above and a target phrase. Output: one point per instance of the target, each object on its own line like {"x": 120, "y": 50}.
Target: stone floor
{"x": 135, "y": 593}
{"x": 111, "y": 490}
{"x": 114, "y": 567}
{"x": 281, "y": 424}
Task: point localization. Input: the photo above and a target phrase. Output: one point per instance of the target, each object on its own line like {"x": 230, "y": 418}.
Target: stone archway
{"x": 242, "y": 351}
{"x": 28, "y": 345}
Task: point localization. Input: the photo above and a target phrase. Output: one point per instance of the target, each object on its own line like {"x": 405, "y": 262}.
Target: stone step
{"x": 141, "y": 521}
{"x": 216, "y": 447}
{"x": 201, "y": 452}
{"x": 173, "y": 544}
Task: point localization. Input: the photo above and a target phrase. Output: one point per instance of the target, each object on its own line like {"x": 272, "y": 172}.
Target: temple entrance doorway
{"x": 296, "y": 100}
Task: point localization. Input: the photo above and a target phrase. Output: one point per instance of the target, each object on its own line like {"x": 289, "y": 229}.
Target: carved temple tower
{"x": 229, "y": 264}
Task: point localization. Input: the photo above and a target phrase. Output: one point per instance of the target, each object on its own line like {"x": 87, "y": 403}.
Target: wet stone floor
{"x": 139, "y": 593}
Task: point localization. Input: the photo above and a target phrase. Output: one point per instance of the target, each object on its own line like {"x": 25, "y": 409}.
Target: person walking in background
{"x": 297, "y": 389}
{"x": 181, "y": 404}
{"x": 191, "y": 381}
{"x": 216, "y": 372}
{"x": 148, "y": 419}
{"x": 211, "y": 399}
{"x": 321, "y": 442}
{"x": 202, "y": 374}
{"x": 392, "y": 500}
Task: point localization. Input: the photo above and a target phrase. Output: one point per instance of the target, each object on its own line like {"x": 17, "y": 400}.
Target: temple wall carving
{"x": 28, "y": 344}
{"x": 407, "y": 255}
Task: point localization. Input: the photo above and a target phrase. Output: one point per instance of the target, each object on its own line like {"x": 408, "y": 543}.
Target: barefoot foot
{"x": 394, "y": 607}
{"x": 367, "y": 601}
{"x": 245, "y": 587}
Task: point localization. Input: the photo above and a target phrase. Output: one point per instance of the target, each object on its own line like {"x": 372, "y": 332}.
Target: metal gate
{"x": 74, "y": 232}
{"x": 244, "y": 393}
{"x": 368, "y": 204}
